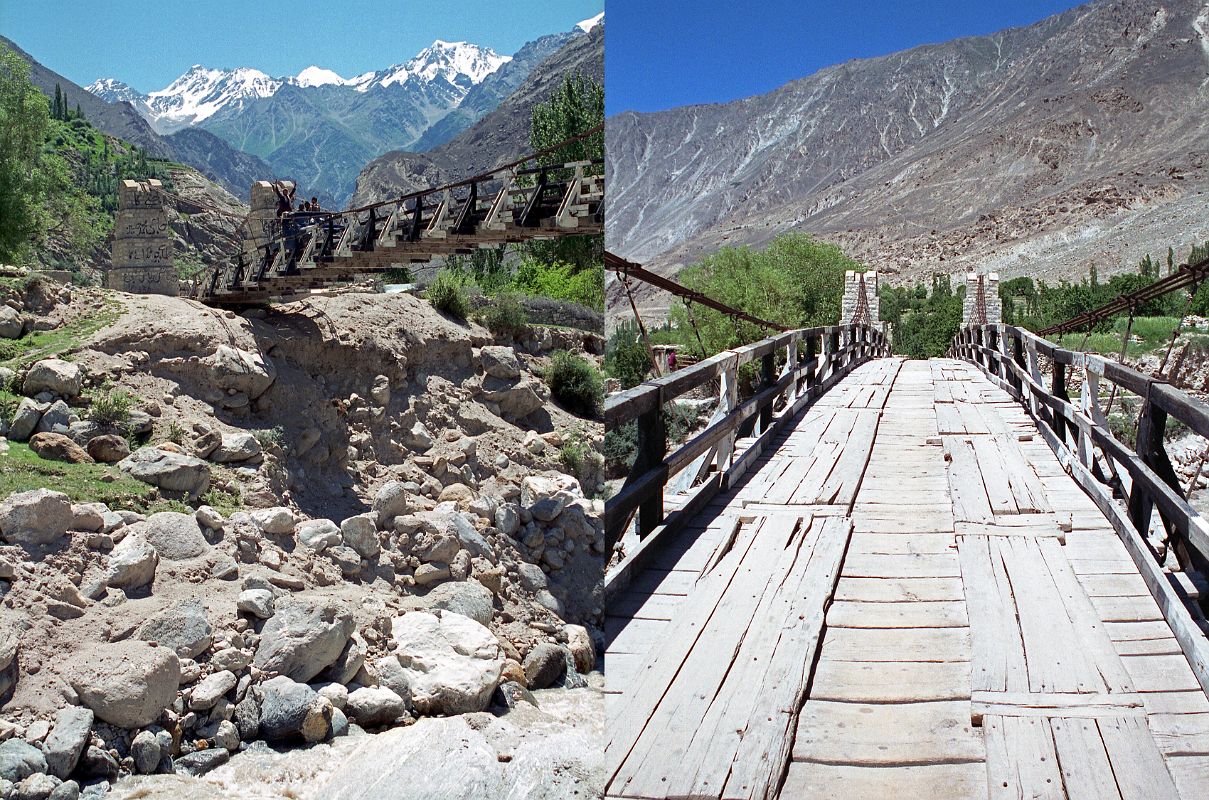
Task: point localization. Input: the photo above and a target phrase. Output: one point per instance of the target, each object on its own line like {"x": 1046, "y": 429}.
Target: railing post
{"x": 652, "y": 449}
{"x": 791, "y": 365}
{"x": 811, "y": 376}
{"x": 1058, "y": 389}
{"x": 768, "y": 376}
{"x": 728, "y": 398}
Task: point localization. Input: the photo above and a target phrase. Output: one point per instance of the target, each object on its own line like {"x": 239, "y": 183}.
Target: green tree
{"x": 577, "y": 106}
{"x": 626, "y": 357}
{"x": 24, "y": 118}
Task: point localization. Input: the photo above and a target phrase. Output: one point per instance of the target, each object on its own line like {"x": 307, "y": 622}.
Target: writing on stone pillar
{"x": 142, "y": 242}
{"x": 861, "y": 302}
{"x": 981, "y": 305}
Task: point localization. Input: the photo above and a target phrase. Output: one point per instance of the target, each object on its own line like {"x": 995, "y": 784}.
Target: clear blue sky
{"x": 149, "y": 43}
{"x": 665, "y": 53}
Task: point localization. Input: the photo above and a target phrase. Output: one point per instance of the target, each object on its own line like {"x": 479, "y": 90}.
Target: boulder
{"x": 235, "y": 447}
{"x": 9, "y": 665}
{"x": 55, "y": 376}
{"x": 88, "y": 517}
{"x": 302, "y": 638}
{"x": 544, "y": 665}
{"x": 127, "y": 684}
{"x": 19, "y": 760}
{"x": 26, "y": 418}
{"x": 12, "y": 324}
{"x": 248, "y": 373}
{"x": 58, "y": 447}
{"x": 132, "y": 563}
{"x": 468, "y": 598}
{"x": 361, "y": 534}
{"x": 182, "y": 628}
{"x": 211, "y": 689}
{"x": 318, "y": 534}
{"x": 145, "y": 750}
{"x": 470, "y": 537}
{"x": 579, "y": 643}
{"x": 58, "y": 418}
{"x": 108, "y": 448}
{"x": 257, "y": 602}
{"x": 452, "y": 663}
{"x": 292, "y": 711}
{"x": 36, "y": 517}
{"x": 514, "y": 400}
{"x": 66, "y": 743}
{"x": 199, "y": 762}
{"x": 535, "y": 488}
{"x": 500, "y": 362}
{"x": 390, "y": 501}
{"x": 418, "y": 438}
{"x": 174, "y": 472}
{"x": 346, "y": 667}
{"x": 380, "y": 391}
{"x": 208, "y": 518}
{"x": 374, "y": 706}
{"x": 507, "y": 518}
{"x": 175, "y": 536}
{"x": 277, "y": 521}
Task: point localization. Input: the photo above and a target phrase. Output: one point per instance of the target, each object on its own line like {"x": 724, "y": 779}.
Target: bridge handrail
{"x": 815, "y": 359}
{"x": 1078, "y": 431}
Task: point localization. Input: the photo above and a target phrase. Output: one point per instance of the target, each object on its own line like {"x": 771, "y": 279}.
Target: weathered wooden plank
{"x": 1191, "y": 775}
{"x": 1136, "y": 761}
{"x": 899, "y": 544}
{"x": 887, "y": 734}
{"x": 939, "y": 614}
{"x": 1021, "y": 761}
{"x": 888, "y": 682}
{"x": 898, "y": 644}
{"x": 910, "y": 565}
{"x": 934, "y": 781}
{"x": 1086, "y": 770}
{"x": 1185, "y": 734}
{"x": 895, "y": 590}
{"x": 997, "y": 663}
{"x": 991, "y": 463}
{"x": 1160, "y": 673}
{"x": 970, "y": 502}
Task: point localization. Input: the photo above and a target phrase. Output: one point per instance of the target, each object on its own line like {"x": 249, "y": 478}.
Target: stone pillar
{"x": 856, "y": 284}
{"x": 142, "y": 244}
{"x": 262, "y": 223}
{"x": 990, "y": 293}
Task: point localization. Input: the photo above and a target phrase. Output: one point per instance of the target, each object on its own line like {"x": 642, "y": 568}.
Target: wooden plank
{"x": 633, "y": 635}
{"x": 934, "y": 781}
{"x": 1086, "y": 771}
{"x": 895, "y": 590}
{"x": 908, "y": 565}
{"x": 1039, "y": 704}
{"x": 1191, "y": 775}
{"x": 992, "y": 466}
{"x": 898, "y": 544}
{"x": 1160, "y": 673}
{"x": 1185, "y": 734}
{"x": 1021, "y": 761}
{"x": 898, "y": 644}
{"x": 970, "y": 502}
{"x": 997, "y": 663}
{"x": 1136, "y": 761}
{"x": 887, "y": 734}
{"x": 888, "y": 682}
{"x": 939, "y": 614}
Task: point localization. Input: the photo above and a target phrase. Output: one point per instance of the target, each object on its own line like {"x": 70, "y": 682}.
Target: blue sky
{"x": 665, "y": 53}
{"x": 149, "y": 43}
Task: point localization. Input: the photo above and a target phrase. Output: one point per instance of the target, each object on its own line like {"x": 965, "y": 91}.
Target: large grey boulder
{"x": 390, "y": 501}
{"x": 361, "y": 534}
{"x": 132, "y": 563}
{"x": 544, "y": 665}
{"x": 451, "y": 662}
{"x": 67, "y": 740}
{"x": 175, "y": 536}
{"x": 374, "y": 706}
{"x": 318, "y": 534}
{"x": 127, "y": 684}
{"x": 26, "y": 418}
{"x": 292, "y": 711}
{"x": 500, "y": 362}
{"x": 57, "y": 419}
{"x": 12, "y": 324}
{"x": 303, "y": 638}
{"x": 56, "y": 376}
{"x": 183, "y": 628}
{"x": 174, "y": 472}
{"x": 19, "y": 760}
{"x": 515, "y": 400}
{"x": 236, "y": 447}
{"x": 232, "y": 368}
{"x": 468, "y": 598}
{"x": 346, "y": 667}
{"x": 36, "y": 517}
{"x": 211, "y": 689}
{"x": 276, "y": 521}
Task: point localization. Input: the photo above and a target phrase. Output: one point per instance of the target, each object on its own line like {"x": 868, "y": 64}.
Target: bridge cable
{"x": 646, "y": 340}
{"x": 1112, "y": 395}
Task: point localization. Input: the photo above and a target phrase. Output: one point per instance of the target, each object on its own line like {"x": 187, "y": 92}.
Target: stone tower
{"x": 142, "y": 244}
{"x": 982, "y": 291}
{"x": 861, "y": 302}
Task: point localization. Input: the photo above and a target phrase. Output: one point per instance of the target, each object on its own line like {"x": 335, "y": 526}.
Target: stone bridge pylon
{"x": 861, "y": 304}
{"x": 981, "y": 305}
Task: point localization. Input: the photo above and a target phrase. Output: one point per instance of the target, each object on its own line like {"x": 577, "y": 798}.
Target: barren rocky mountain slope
{"x": 1040, "y": 150}
{"x": 354, "y": 517}
{"x": 498, "y": 138}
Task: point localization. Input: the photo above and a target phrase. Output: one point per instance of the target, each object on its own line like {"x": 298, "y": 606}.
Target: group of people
{"x": 285, "y": 191}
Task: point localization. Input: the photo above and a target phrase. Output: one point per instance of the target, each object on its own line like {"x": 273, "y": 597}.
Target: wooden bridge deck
{"x": 906, "y": 596}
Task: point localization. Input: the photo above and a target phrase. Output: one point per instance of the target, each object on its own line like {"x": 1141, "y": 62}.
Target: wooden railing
{"x": 1127, "y": 484}
{"x": 812, "y": 361}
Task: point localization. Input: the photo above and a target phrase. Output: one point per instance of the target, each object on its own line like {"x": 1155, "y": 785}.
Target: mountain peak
{"x": 588, "y": 24}
{"x": 318, "y": 76}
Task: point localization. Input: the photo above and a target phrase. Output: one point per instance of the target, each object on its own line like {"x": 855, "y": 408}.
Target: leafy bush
{"x": 176, "y": 433}
{"x": 447, "y": 293}
{"x": 576, "y": 383}
{"x": 110, "y": 408}
{"x": 505, "y": 316}
{"x": 397, "y": 275}
{"x": 8, "y": 406}
{"x": 270, "y": 437}
{"x": 561, "y": 281}
{"x": 619, "y": 449}
{"x": 626, "y": 357}
{"x": 579, "y": 458}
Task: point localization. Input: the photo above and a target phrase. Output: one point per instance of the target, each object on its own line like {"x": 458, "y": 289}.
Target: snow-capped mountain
{"x": 460, "y": 63}
{"x": 114, "y": 91}
{"x": 318, "y": 76}
{"x": 588, "y": 24}
{"x": 201, "y": 93}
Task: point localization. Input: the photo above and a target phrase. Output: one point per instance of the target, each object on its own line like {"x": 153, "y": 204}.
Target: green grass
{"x": 1155, "y": 333}
{"x": 16, "y": 353}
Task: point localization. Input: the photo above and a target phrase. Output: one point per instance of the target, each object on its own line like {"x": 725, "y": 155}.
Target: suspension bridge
{"x": 877, "y": 577}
